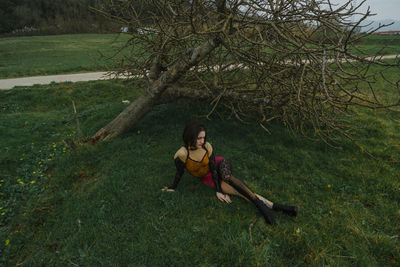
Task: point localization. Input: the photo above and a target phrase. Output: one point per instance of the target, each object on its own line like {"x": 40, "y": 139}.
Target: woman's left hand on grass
{"x": 224, "y": 197}
{"x": 165, "y": 188}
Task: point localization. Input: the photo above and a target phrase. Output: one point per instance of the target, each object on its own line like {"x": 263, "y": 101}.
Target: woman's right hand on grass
{"x": 165, "y": 188}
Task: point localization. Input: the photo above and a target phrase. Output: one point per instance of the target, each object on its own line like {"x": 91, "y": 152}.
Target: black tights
{"x": 225, "y": 173}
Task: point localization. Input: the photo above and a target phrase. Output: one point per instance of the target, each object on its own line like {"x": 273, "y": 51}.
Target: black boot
{"x": 289, "y": 210}
{"x": 265, "y": 211}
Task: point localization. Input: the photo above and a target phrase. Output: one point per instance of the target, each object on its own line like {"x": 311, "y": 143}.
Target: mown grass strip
{"x": 47, "y": 55}
{"x": 75, "y": 53}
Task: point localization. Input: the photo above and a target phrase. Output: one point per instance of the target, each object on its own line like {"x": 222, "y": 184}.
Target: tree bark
{"x": 145, "y": 103}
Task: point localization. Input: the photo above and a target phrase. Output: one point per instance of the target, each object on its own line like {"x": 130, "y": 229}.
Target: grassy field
{"x": 46, "y": 55}
{"x": 63, "y": 205}
{"x": 102, "y": 205}
{"x": 381, "y": 44}
{"x": 58, "y": 54}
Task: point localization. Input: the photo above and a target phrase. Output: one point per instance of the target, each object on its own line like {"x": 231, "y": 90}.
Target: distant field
{"x": 46, "y": 55}
{"x": 383, "y": 39}
{"x": 384, "y": 44}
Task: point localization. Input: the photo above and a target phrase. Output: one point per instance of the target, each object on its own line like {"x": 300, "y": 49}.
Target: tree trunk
{"x": 145, "y": 103}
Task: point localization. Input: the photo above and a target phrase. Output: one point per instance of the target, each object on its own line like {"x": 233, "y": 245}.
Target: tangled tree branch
{"x": 292, "y": 60}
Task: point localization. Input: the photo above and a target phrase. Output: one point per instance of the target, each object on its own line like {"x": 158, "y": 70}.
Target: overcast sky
{"x": 384, "y": 9}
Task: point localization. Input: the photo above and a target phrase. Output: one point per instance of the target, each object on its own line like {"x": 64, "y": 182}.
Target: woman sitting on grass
{"x": 198, "y": 158}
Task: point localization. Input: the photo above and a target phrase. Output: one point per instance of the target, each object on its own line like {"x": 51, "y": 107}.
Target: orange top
{"x": 196, "y": 161}
{"x": 198, "y": 168}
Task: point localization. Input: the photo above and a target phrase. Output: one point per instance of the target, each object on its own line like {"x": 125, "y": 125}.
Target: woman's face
{"x": 200, "y": 139}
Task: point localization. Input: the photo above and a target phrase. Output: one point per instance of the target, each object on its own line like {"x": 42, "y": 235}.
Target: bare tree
{"x": 291, "y": 60}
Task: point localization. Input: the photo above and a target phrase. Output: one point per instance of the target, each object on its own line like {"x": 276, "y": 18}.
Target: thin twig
{"x": 77, "y": 121}
{"x": 251, "y": 226}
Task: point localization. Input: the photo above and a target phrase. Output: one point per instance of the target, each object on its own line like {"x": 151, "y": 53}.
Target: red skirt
{"x": 207, "y": 179}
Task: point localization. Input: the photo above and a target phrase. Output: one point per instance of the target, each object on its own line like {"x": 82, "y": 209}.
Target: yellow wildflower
{"x": 32, "y": 182}
{"x": 7, "y": 242}
{"x": 329, "y": 186}
{"x": 3, "y": 213}
{"x": 21, "y": 159}
{"x": 1, "y": 208}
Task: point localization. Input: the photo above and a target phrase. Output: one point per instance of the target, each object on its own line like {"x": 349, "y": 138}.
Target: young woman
{"x": 199, "y": 160}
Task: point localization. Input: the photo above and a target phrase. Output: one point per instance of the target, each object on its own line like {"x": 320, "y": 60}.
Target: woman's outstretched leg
{"x": 289, "y": 210}
{"x": 227, "y": 189}
{"x": 266, "y": 201}
{"x": 225, "y": 172}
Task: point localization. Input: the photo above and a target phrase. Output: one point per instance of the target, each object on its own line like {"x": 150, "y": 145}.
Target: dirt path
{"x": 6, "y": 84}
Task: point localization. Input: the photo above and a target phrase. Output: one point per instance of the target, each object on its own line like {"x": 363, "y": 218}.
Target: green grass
{"x": 381, "y": 44}
{"x": 59, "y": 54}
{"x": 102, "y": 205}
{"x": 46, "y": 55}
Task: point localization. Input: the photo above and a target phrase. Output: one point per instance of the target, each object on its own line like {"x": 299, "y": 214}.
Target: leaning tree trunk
{"x": 145, "y": 103}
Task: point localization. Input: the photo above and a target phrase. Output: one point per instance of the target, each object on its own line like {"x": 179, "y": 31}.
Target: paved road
{"x": 6, "y": 84}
